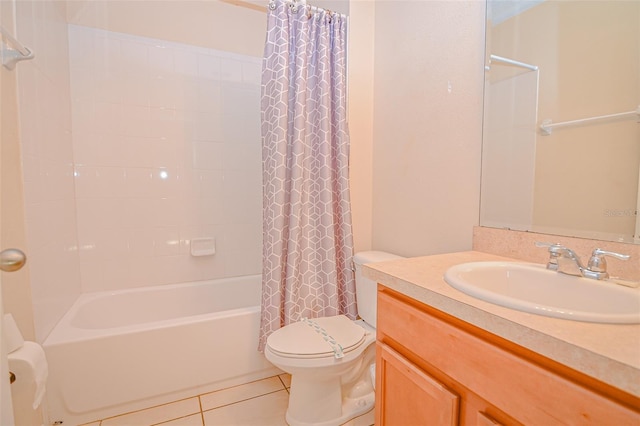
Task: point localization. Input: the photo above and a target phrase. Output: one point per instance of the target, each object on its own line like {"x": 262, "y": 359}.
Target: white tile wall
{"x": 166, "y": 142}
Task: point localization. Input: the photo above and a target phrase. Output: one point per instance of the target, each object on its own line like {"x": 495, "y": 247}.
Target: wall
{"x": 427, "y": 125}
{"x": 47, "y": 156}
{"x": 211, "y": 24}
{"x": 422, "y": 198}
{"x": 360, "y": 80}
{"x": 166, "y": 140}
{"x": 47, "y": 159}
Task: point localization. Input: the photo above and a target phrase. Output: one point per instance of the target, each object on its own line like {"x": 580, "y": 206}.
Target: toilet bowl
{"x": 330, "y": 358}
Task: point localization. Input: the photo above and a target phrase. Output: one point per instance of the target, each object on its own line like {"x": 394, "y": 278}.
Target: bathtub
{"x": 120, "y": 351}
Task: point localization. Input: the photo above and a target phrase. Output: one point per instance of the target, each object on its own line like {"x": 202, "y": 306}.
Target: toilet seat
{"x": 302, "y": 340}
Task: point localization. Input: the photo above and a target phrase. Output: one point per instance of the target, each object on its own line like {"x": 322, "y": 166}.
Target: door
{"x": 637, "y": 233}
{"x": 6, "y": 406}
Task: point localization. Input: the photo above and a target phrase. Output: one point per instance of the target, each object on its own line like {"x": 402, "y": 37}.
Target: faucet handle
{"x": 598, "y": 263}
{"x": 551, "y": 246}
{"x": 543, "y": 244}
{"x": 555, "y": 249}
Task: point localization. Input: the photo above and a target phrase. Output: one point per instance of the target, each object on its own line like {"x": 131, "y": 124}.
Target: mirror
{"x": 561, "y": 139}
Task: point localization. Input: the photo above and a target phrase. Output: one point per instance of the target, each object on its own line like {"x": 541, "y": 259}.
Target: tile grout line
{"x": 243, "y": 400}
{"x": 282, "y": 381}
{"x": 201, "y": 411}
{"x": 173, "y": 420}
{"x": 150, "y": 408}
{"x": 284, "y": 384}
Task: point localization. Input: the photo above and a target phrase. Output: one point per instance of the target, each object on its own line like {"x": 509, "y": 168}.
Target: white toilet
{"x": 331, "y": 359}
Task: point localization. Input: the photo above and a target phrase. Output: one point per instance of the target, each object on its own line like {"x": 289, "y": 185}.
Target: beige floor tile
{"x": 240, "y": 393}
{"x": 286, "y": 379}
{"x": 155, "y": 415}
{"x": 266, "y": 410}
{"x": 367, "y": 419}
{"x": 193, "y": 420}
{"x": 91, "y": 424}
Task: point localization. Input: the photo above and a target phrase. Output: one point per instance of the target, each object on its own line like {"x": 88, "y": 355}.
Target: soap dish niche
{"x": 205, "y": 246}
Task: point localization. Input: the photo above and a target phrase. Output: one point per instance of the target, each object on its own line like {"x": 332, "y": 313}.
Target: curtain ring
{"x": 272, "y": 5}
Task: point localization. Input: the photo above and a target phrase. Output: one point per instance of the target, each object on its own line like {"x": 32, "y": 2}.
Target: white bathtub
{"x": 120, "y": 351}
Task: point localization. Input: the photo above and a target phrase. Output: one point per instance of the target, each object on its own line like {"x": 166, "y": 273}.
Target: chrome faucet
{"x": 566, "y": 261}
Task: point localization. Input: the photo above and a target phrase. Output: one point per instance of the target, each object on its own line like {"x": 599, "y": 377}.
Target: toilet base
{"x": 321, "y": 399}
{"x": 351, "y": 408}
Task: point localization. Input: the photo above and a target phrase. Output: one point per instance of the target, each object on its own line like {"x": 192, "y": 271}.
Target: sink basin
{"x": 532, "y": 288}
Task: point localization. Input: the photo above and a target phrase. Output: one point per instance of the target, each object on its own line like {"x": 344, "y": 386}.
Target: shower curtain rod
{"x": 303, "y": 3}
{"x": 259, "y": 8}
{"x": 246, "y": 4}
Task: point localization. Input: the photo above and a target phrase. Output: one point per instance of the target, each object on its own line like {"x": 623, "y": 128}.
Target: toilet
{"x": 331, "y": 359}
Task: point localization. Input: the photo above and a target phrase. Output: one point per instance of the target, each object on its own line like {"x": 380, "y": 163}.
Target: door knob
{"x": 12, "y": 259}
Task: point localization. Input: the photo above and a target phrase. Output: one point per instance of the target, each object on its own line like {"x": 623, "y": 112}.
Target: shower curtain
{"x": 307, "y": 237}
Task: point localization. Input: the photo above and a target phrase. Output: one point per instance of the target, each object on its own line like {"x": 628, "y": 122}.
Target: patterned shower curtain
{"x": 308, "y": 243}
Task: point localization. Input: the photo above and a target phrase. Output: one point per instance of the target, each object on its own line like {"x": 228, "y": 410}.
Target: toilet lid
{"x": 303, "y": 339}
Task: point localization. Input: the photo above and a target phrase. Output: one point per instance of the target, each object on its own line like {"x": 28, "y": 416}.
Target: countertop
{"x": 607, "y": 352}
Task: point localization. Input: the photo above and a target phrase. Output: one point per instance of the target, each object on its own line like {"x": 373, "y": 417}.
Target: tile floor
{"x": 259, "y": 403}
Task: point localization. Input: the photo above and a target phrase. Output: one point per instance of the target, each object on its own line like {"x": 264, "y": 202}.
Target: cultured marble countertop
{"x": 607, "y": 352}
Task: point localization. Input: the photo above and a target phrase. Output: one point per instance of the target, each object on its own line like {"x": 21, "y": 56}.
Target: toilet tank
{"x": 366, "y": 289}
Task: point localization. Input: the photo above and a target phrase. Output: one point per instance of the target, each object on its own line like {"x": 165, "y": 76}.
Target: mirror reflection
{"x": 561, "y": 143}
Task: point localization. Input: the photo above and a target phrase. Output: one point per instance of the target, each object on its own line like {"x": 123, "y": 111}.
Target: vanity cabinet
{"x": 435, "y": 369}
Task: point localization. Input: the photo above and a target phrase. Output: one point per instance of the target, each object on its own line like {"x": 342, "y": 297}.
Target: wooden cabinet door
{"x": 486, "y": 420}
{"x": 407, "y": 396}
